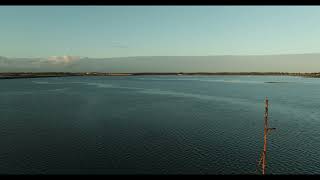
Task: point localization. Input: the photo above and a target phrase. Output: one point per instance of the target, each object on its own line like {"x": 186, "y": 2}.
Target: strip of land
{"x": 14, "y": 75}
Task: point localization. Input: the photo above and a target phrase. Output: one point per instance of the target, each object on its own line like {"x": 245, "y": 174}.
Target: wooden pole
{"x": 265, "y": 136}
{"x": 263, "y": 159}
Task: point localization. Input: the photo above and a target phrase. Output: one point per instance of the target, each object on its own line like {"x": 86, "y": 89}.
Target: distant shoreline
{"x": 15, "y": 75}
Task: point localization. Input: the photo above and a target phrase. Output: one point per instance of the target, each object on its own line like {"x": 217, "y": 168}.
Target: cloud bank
{"x": 261, "y": 63}
{"x": 62, "y": 59}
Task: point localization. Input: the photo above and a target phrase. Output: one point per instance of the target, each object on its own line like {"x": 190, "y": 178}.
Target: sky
{"x": 122, "y": 31}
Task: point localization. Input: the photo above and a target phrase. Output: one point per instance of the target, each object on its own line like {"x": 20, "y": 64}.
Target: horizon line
{"x": 82, "y": 57}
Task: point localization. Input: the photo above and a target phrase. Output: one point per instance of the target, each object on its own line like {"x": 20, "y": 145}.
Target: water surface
{"x": 158, "y": 125}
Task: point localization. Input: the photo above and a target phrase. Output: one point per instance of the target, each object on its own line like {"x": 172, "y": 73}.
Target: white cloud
{"x": 63, "y": 59}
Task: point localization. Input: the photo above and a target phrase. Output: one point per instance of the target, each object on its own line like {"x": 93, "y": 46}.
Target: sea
{"x": 159, "y": 125}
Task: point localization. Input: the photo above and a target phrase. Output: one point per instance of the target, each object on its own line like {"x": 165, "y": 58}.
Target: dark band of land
{"x": 14, "y": 75}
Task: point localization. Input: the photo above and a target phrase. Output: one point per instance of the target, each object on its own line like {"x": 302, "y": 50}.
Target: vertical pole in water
{"x": 263, "y": 159}
{"x": 264, "y": 153}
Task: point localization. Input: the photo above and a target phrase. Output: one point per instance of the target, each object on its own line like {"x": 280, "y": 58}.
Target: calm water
{"x": 158, "y": 125}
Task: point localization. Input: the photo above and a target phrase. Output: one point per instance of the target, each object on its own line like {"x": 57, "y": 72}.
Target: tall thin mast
{"x": 263, "y": 160}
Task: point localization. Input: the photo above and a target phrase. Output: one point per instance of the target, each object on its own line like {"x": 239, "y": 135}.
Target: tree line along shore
{"x": 13, "y": 75}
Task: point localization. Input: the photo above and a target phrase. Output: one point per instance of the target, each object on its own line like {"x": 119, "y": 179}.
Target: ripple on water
{"x": 160, "y": 126}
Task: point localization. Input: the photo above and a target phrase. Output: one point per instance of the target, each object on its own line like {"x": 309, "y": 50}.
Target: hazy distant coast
{"x": 15, "y": 75}
{"x": 166, "y": 64}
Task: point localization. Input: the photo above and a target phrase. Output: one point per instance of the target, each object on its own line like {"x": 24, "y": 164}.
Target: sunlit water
{"x": 158, "y": 125}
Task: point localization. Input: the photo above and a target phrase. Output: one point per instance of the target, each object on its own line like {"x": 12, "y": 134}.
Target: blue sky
{"x": 121, "y": 31}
